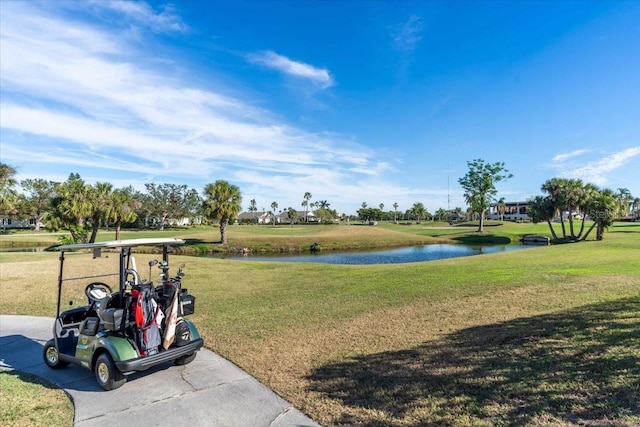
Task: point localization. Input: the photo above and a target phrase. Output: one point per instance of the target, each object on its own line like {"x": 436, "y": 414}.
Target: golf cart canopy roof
{"x": 122, "y": 244}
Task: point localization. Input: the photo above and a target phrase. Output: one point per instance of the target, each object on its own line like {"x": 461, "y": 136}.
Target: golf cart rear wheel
{"x": 107, "y": 374}
{"x": 185, "y": 359}
{"x": 52, "y": 357}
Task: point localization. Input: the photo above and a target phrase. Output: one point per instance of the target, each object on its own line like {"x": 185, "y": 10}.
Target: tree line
{"x": 321, "y": 210}
{"x": 563, "y": 199}
{"x": 82, "y": 208}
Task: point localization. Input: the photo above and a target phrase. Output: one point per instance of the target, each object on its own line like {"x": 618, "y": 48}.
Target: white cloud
{"x": 406, "y": 36}
{"x": 565, "y": 156}
{"x": 596, "y": 171}
{"x": 290, "y": 67}
{"x": 143, "y": 14}
{"x": 77, "y": 96}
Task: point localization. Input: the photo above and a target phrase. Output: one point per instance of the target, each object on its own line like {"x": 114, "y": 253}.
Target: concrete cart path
{"x": 210, "y": 391}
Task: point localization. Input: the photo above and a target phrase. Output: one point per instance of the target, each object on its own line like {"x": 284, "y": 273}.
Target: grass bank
{"x": 29, "y": 401}
{"x": 546, "y": 336}
{"x": 300, "y": 238}
{"x": 256, "y": 239}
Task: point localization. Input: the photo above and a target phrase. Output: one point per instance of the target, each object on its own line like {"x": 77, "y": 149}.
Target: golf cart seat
{"x": 111, "y": 318}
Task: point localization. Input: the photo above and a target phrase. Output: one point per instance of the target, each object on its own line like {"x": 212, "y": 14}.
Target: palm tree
{"x": 501, "y": 207}
{"x": 543, "y": 209}
{"x": 589, "y": 191}
{"x": 571, "y": 196}
{"x": 253, "y": 208}
{"x": 223, "y": 202}
{"x": 100, "y": 197}
{"x": 626, "y": 201}
{"x": 305, "y": 204}
{"x": 418, "y": 211}
{"x": 635, "y": 207}
{"x": 8, "y": 195}
{"x": 604, "y": 207}
{"x": 274, "y": 206}
{"x": 7, "y": 174}
{"x": 574, "y": 190}
{"x": 323, "y": 209}
{"x": 122, "y": 208}
{"x": 395, "y": 212}
{"x": 74, "y": 206}
{"x": 554, "y": 188}
{"x": 292, "y": 214}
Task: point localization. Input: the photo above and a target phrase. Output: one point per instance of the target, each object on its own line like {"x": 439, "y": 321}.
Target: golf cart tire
{"x": 52, "y": 357}
{"x": 107, "y": 374}
{"x": 183, "y": 360}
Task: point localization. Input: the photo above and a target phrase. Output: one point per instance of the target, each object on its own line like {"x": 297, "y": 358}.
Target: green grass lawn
{"x": 284, "y": 238}
{"x": 29, "y": 401}
{"x": 543, "y": 336}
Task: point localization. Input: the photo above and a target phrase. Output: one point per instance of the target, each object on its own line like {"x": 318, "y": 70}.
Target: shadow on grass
{"x": 577, "y": 366}
{"x": 489, "y": 239}
{"x": 197, "y": 241}
{"x": 199, "y": 246}
{"x": 30, "y": 378}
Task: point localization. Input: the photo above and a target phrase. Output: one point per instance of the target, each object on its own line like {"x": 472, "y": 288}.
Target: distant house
{"x": 513, "y": 211}
{"x": 311, "y": 216}
{"x": 183, "y": 222}
{"x": 283, "y": 217}
{"x": 254, "y": 217}
{"x": 455, "y": 217}
{"x": 7, "y": 222}
{"x": 267, "y": 218}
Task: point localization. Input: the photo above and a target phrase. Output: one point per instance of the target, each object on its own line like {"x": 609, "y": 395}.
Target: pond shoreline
{"x": 403, "y": 255}
{"x": 291, "y": 244}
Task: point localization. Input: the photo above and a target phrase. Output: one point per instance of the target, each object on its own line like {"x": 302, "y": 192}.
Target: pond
{"x": 389, "y": 256}
{"x": 23, "y": 249}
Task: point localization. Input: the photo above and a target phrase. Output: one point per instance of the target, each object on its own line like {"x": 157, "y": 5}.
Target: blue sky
{"x": 352, "y": 101}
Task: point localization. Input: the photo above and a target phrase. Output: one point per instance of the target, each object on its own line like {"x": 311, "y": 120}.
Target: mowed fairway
{"x": 544, "y": 336}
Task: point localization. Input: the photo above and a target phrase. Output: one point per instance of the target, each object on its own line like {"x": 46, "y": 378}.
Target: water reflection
{"x": 23, "y": 249}
{"x": 392, "y": 256}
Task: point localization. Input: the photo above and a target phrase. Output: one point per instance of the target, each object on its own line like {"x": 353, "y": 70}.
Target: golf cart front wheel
{"x": 107, "y": 374}
{"x": 52, "y": 357}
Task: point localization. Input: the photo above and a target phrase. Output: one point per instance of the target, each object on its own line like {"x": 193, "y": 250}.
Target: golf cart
{"x": 119, "y": 323}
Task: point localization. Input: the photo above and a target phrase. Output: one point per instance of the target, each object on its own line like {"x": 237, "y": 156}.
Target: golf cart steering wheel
{"x": 96, "y": 291}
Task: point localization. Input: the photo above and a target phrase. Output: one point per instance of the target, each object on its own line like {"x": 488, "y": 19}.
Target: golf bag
{"x": 146, "y": 315}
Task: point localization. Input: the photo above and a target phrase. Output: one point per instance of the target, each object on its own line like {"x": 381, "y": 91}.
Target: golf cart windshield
{"x": 93, "y": 271}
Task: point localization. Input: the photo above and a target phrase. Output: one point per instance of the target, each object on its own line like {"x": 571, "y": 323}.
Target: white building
{"x": 513, "y": 211}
